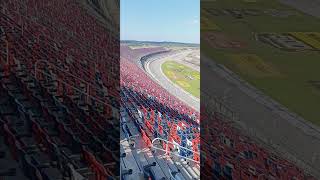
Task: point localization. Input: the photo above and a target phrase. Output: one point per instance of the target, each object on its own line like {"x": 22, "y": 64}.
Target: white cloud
{"x": 193, "y": 21}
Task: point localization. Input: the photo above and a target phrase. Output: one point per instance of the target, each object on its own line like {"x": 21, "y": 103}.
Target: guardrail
{"x": 175, "y": 144}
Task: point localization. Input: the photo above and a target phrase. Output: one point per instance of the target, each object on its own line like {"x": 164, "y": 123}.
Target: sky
{"x": 160, "y": 20}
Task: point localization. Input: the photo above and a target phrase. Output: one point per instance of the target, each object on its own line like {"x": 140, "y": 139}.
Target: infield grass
{"x": 185, "y": 77}
{"x": 287, "y": 74}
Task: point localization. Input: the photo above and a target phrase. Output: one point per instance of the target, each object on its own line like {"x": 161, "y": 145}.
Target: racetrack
{"x": 265, "y": 122}
{"x": 153, "y": 68}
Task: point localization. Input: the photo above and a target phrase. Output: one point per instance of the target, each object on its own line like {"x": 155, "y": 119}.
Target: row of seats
{"x": 59, "y": 67}
{"x": 228, "y": 154}
{"x": 137, "y": 137}
{"x": 132, "y": 77}
{"x": 46, "y": 45}
{"x": 62, "y": 131}
{"x": 182, "y": 131}
{"x": 157, "y": 114}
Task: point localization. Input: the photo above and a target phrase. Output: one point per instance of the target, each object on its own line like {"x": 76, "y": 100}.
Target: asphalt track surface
{"x": 153, "y": 68}
{"x": 290, "y": 137}
{"x": 311, "y": 7}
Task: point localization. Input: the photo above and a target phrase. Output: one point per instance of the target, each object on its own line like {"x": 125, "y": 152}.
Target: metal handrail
{"x": 167, "y": 151}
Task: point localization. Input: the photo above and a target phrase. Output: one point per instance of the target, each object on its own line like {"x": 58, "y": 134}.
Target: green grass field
{"x": 183, "y": 76}
{"x": 208, "y": 25}
{"x": 283, "y": 75}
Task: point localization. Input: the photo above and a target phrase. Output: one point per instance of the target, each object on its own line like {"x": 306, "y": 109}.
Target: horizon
{"x": 150, "y": 41}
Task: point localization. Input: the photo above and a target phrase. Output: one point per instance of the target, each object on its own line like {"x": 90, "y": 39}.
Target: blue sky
{"x": 160, "y": 20}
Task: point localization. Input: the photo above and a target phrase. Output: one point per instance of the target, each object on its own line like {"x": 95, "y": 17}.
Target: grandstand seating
{"x": 135, "y": 54}
{"x": 227, "y": 154}
{"x": 58, "y": 102}
{"x": 59, "y": 108}
{"x": 164, "y": 116}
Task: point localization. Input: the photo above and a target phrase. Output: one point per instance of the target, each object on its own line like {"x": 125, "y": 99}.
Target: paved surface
{"x": 153, "y": 68}
{"x": 192, "y": 60}
{"x": 292, "y": 138}
{"x": 311, "y": 7}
